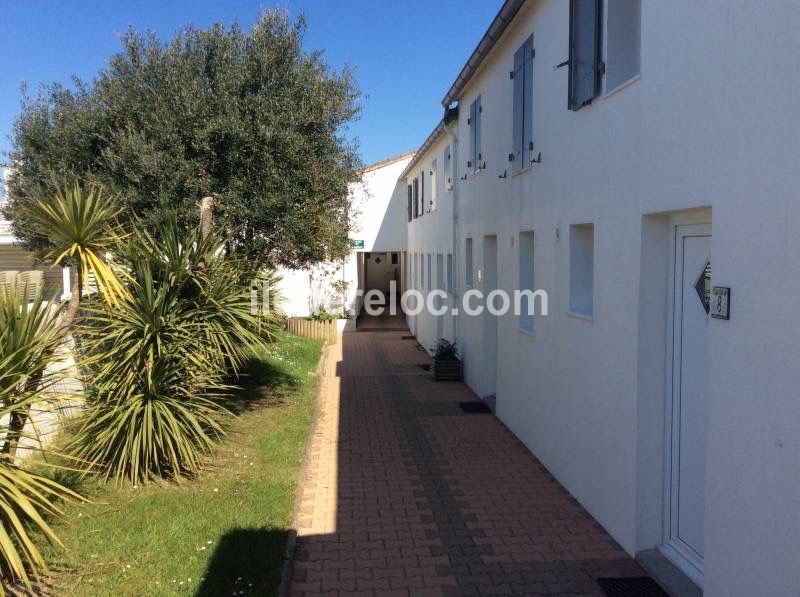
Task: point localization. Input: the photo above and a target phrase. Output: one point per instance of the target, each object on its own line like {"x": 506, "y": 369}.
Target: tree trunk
{"x": 76, "y": 288}
{"x": 206, "y": 216}
{"x": 16, "y": 425}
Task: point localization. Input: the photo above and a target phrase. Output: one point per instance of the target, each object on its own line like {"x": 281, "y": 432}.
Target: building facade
{"x": 638, "y": 162}
{"x": 378, "y": 248}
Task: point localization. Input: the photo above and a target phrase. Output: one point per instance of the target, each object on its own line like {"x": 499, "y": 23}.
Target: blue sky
{"x": 406, "y": 52}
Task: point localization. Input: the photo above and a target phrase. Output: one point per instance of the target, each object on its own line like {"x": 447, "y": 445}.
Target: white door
{"x": 686, "y": 433}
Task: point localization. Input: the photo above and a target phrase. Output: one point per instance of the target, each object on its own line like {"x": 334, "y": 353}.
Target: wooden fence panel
{"x": 310, "y": 328}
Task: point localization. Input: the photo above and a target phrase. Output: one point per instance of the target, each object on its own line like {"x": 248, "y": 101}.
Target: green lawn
{"x": 222, "y": 533}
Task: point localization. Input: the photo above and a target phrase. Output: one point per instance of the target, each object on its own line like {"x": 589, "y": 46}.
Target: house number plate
{"x": 720, "y": 302}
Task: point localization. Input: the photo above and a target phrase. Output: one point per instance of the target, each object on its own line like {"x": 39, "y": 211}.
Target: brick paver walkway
{"x": 406, "y": 494}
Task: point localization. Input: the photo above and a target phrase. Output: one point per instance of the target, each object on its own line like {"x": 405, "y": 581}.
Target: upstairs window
{"x": 522, "y": 112}
{"x": 410, "y": 203}
{"x": 475, "y": 156}
{"x": 434, "y": 190}
{"x": 585, "y": 63}
{"x": 623, "y": 41}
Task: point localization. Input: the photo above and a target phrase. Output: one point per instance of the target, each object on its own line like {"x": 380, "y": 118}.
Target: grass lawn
{"x": 221, "y": 534}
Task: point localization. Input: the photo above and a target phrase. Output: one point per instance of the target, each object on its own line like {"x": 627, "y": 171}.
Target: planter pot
{"x": 446, "y": 370}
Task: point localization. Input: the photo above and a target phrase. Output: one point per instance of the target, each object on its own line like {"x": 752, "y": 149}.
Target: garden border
{"x": 291, "y": 540}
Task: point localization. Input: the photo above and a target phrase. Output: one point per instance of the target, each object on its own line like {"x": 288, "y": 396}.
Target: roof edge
{"x": 437, "y": 132}
{"x": 493, "y": 34}
{"x": 387, "y": 162}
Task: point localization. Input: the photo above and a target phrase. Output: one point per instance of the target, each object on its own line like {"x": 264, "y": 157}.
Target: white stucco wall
{"x": 711, "y": 124}
{"x": 378, "y": 219}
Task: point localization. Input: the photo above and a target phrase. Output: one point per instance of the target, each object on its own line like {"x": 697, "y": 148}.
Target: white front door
{"x": 489, "y": 284}
{"x": 686, "y": 417}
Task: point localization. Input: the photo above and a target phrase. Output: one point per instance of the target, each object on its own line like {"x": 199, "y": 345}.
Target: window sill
{"x": 522, "y": 171}
{"x": 579, "y": 315}
{"x": 526, "y": 332}
{"x": 622, "y": 86}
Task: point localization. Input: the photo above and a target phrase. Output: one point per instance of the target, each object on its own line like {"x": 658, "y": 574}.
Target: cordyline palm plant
{"x": 158, "y": 360}
{"x": 29, "y": 336}
{"x": 80, "y": 227}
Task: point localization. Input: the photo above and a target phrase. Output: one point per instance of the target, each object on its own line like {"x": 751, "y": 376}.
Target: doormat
{"x": 407, "y": 338}
{"x": 425, "y": 367}
{"x": 631, "y": 587}
{"x": 475, "y": 408}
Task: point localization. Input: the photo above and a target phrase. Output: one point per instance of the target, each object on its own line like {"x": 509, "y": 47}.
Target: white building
{"x": 616, "y": 154}
{"x": 378, "y": 254}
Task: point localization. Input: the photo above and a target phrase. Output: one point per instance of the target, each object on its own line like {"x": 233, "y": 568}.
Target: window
{"x": 422, "y": 271}
{"x": 585, "y": 64}
{"x": 526, "y": 280}
{"x": 468, "y": 280}
{"x": 475, "y": 157}
{"x": 448, "y": 169}
{"x": 522, "y": 112}
{"x": 416, "y": 270}
{"x": 416, "y": 197}
{"x": 433, "y": 177}
{"x": 581, "y": 269}
{"x": 440, "y": 272}
{"x": 449, "y": 273}
{"x": 429, "y": 271}
{"x": 395, "y": 258}
{"x": 410, "y": 203}
{"x": 623, "y": 41}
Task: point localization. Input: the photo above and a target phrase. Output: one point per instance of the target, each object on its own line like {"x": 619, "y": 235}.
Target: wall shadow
{"x": 237, "y": 564}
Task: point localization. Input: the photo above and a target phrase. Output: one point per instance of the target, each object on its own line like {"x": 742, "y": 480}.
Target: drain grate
{"x": 630, "y": 587}
{"x": 475, "y": 408}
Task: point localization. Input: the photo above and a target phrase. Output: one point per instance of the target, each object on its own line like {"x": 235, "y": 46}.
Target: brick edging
{"x": 291, "y": 540}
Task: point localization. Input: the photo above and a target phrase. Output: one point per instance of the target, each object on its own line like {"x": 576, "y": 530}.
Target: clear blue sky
{"x": 406, "y": 52}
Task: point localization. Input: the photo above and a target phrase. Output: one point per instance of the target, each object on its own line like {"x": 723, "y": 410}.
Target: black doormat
{"x": 475, "y": 408}
{"x": 407, "y": 338}
{"x": 425, "y": 367}
{"x": 631, "y": 587}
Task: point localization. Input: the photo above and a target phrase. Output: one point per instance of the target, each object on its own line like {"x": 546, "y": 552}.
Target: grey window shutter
{"x": 416, "y": 197}
{"x": 527, "y": 105}
{"x": 410, "y": 203}
{"x": 584, "y": 52}
{"x": 478, "y": 111}
{"x": 473, "y": 123}
{"x": 518, "y": 109}
{"x": 422, "y": 193}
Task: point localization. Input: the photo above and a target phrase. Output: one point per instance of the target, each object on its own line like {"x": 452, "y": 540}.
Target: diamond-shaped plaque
{"x": 703, "y": 286}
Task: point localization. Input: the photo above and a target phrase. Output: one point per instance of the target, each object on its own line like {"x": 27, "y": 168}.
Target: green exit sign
{"x": 358, "y": 244}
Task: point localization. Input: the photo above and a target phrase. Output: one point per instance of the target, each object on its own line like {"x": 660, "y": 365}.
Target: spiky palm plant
{"x": 158, "y": 360}
{"x": 80, "y": 227}
{"x": 29, "y": 336}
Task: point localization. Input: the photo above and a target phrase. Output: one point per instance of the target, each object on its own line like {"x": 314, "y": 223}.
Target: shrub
{"x": 156, "y": 364}
{"x": 444, "y": 350}
{"x": 29, "y": 335}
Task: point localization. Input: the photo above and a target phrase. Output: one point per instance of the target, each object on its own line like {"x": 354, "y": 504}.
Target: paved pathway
{"x": 406, "y": 494}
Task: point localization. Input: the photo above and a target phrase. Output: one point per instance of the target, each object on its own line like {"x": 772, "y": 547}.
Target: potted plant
{"x": 446, "y": 362}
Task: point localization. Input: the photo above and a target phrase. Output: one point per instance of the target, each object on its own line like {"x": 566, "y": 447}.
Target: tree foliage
{"x": 246, "y": 117}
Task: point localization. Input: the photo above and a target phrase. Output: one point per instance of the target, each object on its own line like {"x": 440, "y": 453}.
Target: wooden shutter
{"x": 527, "y": 104}
{"x": 422, "y": 194}
{"x": 448, "y": 169}
{"x": 518, "y": 80}
{"x": 585, "y": 68}
{"x": 478, "y": 111}
{"x": 473, "y": 125}
{"x": 416, "y": 197}
{"x": 410, "y": 203}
